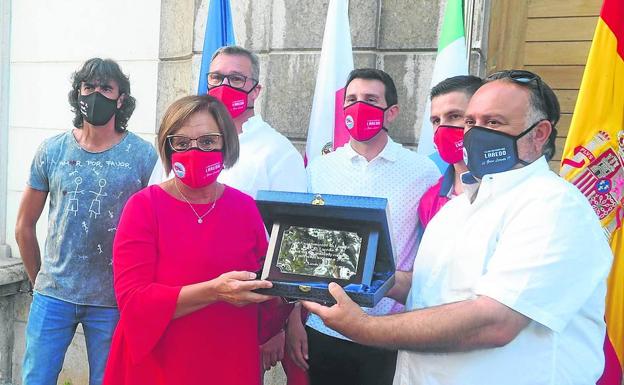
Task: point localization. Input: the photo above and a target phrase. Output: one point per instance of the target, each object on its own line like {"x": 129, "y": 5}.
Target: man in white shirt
{"x": 267, "y": 161}
{"x": 509, "y": 280}
{"x": 371, "y": 164}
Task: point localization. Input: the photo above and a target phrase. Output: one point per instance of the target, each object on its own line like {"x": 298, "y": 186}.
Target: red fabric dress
{"x": 160, "y": 247}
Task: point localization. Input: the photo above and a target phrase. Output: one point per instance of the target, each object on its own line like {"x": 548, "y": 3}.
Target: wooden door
{"x": 549, "y": 37}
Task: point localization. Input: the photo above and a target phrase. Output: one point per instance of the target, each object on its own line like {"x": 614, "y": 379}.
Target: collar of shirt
{"x": 390, "y": 152}
{"x": 252, "y": 124}
{"x": 448, "y": 180}
{"x": 503, "y": 181}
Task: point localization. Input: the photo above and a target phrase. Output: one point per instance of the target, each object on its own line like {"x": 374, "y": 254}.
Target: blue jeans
{"x": 51, "y": 326}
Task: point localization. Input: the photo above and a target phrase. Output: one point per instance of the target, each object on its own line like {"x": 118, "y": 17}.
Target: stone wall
{"x": 398, "y": 36}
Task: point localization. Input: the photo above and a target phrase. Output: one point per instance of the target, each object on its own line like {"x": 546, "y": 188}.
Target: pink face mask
{"x": 450, "y": 142}
{"x": 234, "y": 99}
{"x": 197, "y": 168}
{"x": 363, "y": 120}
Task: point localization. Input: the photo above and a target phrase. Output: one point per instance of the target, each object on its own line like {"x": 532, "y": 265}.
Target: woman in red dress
{"x": 183, "y": 260}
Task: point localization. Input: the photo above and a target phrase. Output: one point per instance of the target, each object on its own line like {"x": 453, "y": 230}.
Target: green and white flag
{"x": 451, "y": 61}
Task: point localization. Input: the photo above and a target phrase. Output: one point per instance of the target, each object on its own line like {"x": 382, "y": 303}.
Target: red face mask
{"x": 450, "y": 142}
{"x": 363, "y": 120}
{"x": 234, "y": 99}
{"x": 197, "y": 168}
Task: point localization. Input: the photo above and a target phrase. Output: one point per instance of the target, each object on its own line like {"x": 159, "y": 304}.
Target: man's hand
{"x": 272, "y": 351}
{"x": 345, "y": 317}
{"x": 297, "y": 339}
{"x": 402, "y": 286}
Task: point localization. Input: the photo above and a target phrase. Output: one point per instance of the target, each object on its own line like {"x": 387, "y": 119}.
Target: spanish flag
{"x": 593, "y": 160}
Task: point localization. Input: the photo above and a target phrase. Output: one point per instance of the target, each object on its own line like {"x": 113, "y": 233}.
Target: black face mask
{"x": 96, "y": 108}
{"x": 489, "y": 151}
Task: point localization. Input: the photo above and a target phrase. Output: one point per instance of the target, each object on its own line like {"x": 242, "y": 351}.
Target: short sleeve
{"x": 146, "y": 307}
{"x": 39, "y": 178}
{"x": 551, "y": 256}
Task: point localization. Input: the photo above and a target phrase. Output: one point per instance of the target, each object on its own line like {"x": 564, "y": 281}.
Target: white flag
{"x": 451, "y": 61}
{"x": 327, "y": 119}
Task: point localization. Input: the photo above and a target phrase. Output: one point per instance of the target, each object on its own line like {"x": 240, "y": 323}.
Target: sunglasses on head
{"x": 526, "y": 78}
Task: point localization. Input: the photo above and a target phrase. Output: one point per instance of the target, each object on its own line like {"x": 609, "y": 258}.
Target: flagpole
{"x": 469, "y": 23}
{"x": 219, "y": 32}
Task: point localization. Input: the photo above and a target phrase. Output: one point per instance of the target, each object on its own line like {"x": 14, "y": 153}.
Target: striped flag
{"x": 219, "y": 32}
{"x": 327, "y": 130}
{"x": 451, "y": 61}
{"x": 593, "y": 159}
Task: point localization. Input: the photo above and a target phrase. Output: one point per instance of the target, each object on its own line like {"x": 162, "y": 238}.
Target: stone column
{"x": 12, "y": 281}
{"x": 5, "y": 64}
{"x": 175, "y": 54}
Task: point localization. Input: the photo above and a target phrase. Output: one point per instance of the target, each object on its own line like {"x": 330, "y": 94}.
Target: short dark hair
{"x": 467, "y": 84}
{"x": 179, "y": 112}
{"x": 102, "y": 70}
{"x": 375, "y": 74}
{"x": 240, "y": 51}
{"x": 542, "y": 100}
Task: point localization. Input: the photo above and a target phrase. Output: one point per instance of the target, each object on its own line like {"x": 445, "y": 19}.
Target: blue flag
{"x": 219, "y": 32}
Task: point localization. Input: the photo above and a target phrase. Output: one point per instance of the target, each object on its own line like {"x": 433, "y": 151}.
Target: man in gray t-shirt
{"x": 88, "y": 173}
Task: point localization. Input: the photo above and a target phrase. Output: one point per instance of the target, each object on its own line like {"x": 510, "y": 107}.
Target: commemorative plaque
{"x": 319, "y": 252}
{"x": 318, "y": 239}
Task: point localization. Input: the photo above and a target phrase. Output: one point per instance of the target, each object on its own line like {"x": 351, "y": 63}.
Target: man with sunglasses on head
{"x": 370, "y": 164}
{"x": 509, "y": 280}
{"x": 88, "y": 173}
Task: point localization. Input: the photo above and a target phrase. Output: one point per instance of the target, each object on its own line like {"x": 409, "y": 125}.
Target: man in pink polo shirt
{"x": 449, "y": 100}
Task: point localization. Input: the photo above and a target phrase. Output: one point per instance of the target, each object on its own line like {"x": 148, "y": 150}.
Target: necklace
{"x": 200, "y": 218}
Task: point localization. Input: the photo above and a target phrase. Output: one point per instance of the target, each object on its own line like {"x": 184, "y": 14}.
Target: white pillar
{"x": 5, "y": 64}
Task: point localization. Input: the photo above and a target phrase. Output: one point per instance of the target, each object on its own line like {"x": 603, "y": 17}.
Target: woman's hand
{"x": 272, "y": 351}
{"x": 235, "y": 287}
{"x": 297, "y": 339}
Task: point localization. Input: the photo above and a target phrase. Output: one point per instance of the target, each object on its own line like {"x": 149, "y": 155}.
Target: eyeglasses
{"x": 237, "y": 81}
{"x": 526, "y": 78}
{"x": 209, "y": 142}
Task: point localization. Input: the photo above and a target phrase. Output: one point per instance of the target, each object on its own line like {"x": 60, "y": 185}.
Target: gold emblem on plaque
{"x": 318, "y": 200}
{"x": 305, "y": 288}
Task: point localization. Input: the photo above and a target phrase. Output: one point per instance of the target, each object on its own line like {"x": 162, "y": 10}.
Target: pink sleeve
{"x": 430, "y": 203}
{"x": 146, "y": 307}
{"x": 272, "y": 314}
